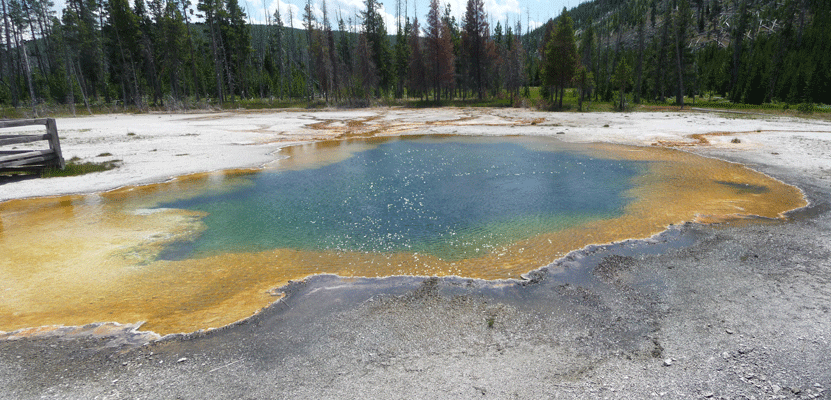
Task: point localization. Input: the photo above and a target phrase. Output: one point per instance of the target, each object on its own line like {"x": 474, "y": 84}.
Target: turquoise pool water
{"x": 452, "y": 197}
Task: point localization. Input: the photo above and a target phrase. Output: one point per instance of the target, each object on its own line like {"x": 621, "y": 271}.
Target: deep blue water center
{"x": 451, "y": 197}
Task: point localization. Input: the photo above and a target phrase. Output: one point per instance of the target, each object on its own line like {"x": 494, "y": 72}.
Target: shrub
{"x": 75, "y": 167}
{"x": 806, "y": 108}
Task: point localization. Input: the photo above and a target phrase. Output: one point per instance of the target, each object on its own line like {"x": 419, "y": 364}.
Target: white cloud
{"x": 535, "y": 24}
{"x": 502, "y": 10}
{"x": 287, "y": 11}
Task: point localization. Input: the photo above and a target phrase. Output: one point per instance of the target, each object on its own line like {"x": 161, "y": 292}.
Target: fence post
{"x": 54, "y": 142}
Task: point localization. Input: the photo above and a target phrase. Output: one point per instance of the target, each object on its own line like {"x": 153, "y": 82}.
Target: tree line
{"x": 179, "y": 54}
{"x": 746, "y": 51}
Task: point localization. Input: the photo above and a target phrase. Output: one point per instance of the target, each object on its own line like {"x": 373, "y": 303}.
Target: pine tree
{"x": 440, "y": 64}
{"x": 122, "y": 32}
{"x": 236, "y": 39}
{"x": 560, "y": 61}
{"x": 344, "y": 51}
{"x": 146, "y": 45}
{"x": 195, "y": 78}
{"x": 402, "y": 58}
{"x": 737, "y": 45}
{"x": 416, "y": 76}
{"x": 210, "y": 10}
{"x": 682, "y": 19}
{"x": 278, "y": 49}
{"x": 585, "y": 81}
{"x": 621, "y": 80}
{"x": 475, "y": 40}
{"x": 376, "y": 37}
{"x": 513, "y": 65}
{"x": 8, "y": 56}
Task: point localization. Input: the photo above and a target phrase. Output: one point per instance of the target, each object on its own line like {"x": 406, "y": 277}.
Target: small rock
{"x": 561, "y": 133}
{"x": 181, "y": 360}
{"x": 729, "y": 331}
{"x": 817, "y": 385}
{"x": 709, "y": 394}
{"x": 667, "y": 362}
{"x": 775, "y": 388}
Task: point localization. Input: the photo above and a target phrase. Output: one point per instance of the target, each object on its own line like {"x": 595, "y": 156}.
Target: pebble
{"x": 667, "y": 362}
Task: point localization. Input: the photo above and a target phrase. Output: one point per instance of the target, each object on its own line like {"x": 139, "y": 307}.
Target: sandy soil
{"x": 718, "y": 311}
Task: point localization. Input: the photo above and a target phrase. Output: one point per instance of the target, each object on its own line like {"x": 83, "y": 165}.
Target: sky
{"x": 531, "y": 13}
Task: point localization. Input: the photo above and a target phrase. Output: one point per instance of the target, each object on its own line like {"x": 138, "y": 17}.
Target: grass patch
{"x": 529, "y": 97}
{"x": 75, "y": 167}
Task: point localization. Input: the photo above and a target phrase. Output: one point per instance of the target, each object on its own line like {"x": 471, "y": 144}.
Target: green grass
{"x": 533, "y": 100}
{"x": 75, "y": 167}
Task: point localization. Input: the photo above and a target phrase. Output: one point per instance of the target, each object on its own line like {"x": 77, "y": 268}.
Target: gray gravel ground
{"x": 727, "y": 311}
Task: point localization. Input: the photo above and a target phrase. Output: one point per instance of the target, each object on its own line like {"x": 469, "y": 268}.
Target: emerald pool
{"x": 451, "y": 197}
{"x": 209, "y": 249}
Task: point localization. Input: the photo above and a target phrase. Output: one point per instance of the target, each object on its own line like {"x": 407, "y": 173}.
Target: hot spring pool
{"x": 207, "y": 250}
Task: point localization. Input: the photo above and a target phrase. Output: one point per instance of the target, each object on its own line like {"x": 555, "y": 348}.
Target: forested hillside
{"x": 753, "y": 51}
{"x": 176, "y": 54}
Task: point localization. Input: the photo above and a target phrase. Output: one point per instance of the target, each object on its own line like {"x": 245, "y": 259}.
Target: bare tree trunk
{"x": 67, "y": 69}
{"x": 38, "y": 57}
{"x": 217, "y": 62}
{"x": 29, "y": 79}
{"x": 82, "y": 84}
{"x": 639, "y": 67}
{"x": 13, "y": 84}
{"x": 801, "y": 23}
{"x": 103, "y": 72}
{"x": 660, "y": 76}
{"x": 190, "y": 45}
{"x": 679, "y": 96}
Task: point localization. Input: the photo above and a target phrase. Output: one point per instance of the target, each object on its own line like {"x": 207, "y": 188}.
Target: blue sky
{"x": 531, "y": 12}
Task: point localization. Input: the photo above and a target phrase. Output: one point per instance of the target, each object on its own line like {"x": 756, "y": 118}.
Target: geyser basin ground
{"x": 156, "y": 253}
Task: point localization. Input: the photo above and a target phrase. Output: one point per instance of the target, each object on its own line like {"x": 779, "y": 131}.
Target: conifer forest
{"x": 173, "y": 53}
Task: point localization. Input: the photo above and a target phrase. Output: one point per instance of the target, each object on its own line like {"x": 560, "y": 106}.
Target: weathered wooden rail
{"x": 29, "y": 160}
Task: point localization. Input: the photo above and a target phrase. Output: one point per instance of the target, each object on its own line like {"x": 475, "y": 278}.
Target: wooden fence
{"x": 29, "y": 160}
